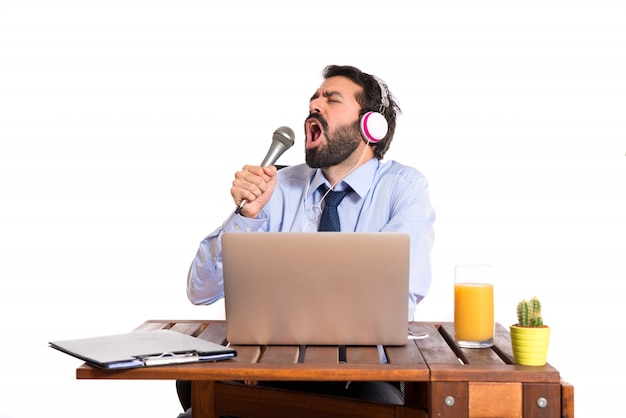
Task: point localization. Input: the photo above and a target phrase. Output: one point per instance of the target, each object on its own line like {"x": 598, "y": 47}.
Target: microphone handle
{"x": 241, "y": 205}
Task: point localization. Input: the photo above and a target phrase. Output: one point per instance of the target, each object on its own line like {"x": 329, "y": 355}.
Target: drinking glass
{"x": 473, "y": 306}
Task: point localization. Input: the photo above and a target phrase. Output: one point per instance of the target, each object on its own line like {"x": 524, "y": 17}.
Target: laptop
{"x": 310, "y": 288}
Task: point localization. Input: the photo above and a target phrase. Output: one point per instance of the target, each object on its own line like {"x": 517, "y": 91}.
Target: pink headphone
{"x": 373, "y": 124}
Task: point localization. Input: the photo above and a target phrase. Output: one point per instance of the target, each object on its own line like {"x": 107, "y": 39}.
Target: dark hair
{"x": 370, "y": 100}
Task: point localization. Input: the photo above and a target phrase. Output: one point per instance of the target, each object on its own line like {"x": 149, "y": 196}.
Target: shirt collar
{"x": 360, "y": 180}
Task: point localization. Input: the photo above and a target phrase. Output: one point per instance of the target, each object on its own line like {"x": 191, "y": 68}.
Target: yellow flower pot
{"x": 530, "y": 345}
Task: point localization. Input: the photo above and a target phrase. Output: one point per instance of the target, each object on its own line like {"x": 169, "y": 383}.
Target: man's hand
{"x": 255, "y": 184}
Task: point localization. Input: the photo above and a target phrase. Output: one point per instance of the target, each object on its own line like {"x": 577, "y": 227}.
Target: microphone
{"x": 282, "y": 140}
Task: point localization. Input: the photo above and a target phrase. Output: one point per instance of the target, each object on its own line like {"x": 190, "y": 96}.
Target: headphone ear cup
{"x": 373, "y": 126}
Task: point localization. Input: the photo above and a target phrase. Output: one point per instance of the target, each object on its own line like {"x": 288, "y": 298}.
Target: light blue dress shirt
{"x": 387, "y": 197}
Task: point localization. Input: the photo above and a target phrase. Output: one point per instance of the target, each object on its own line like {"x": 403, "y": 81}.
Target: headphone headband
{"x": 384, "y": 96}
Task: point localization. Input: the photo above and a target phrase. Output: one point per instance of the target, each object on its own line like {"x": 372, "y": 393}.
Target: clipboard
{"x": 143, "y": 349}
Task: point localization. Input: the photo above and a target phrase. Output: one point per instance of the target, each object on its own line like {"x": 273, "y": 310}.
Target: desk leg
{"x": 449, "y": 400}
{"x": 203, "y": 399}
{"x": 567, "y": 400}
{"x": 542, "y": 400}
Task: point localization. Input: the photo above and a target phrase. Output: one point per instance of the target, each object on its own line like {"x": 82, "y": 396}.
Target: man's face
{"x": 332, "y": 128}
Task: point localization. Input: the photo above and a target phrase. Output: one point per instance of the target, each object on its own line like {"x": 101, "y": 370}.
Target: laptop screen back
{"x": 305, "y": 288}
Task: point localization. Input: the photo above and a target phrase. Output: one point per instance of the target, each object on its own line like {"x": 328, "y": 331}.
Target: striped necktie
{"x": 330, "y": 219}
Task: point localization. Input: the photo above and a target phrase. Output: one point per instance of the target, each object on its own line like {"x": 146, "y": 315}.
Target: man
{"x": 346, "y": 139}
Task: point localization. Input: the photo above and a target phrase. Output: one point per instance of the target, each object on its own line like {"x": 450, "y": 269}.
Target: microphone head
{"x": 282, "y": 140}
{"x": 284, "y": 135}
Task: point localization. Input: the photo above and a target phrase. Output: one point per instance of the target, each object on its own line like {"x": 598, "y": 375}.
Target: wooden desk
{"x": 441, "y": 380}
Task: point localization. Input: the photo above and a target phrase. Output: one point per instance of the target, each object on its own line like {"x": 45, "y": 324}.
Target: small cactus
{"x": 529, "y": 313}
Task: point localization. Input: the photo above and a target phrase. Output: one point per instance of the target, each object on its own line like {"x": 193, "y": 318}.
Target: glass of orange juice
{"x": 473, "y": 306}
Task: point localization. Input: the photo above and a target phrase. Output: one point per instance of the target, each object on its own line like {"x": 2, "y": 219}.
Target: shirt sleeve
{"x": 411, "y": 212}
{"x": 205, "y": 282}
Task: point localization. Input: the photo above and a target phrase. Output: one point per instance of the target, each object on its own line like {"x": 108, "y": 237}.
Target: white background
{"x": 122, "y": 123}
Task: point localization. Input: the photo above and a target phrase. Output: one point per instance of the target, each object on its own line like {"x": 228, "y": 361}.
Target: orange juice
{"x": 473, "y": 314}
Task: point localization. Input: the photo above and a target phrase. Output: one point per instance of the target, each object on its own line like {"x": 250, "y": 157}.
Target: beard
{"x": 340, "y": 144}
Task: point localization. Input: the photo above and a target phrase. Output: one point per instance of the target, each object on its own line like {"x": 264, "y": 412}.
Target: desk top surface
{"x": 434, "y": 358}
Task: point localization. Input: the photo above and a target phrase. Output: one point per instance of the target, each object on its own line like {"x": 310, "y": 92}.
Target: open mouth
{"x": 313, "y": 131}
